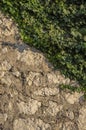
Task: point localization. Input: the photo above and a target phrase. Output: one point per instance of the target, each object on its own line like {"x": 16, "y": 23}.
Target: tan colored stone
{"x": 82, "y": 118}
{"x": 72, "y": 98}
{"x": 53, "y": 108}
{"x": 30, "y": 124}
{"x": 29, "y": 108}
{"x": 47, "y": 91}
{"x": 3, "y": 118}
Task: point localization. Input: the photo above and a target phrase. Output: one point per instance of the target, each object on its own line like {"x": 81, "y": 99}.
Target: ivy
{"x": 57, "y": 28}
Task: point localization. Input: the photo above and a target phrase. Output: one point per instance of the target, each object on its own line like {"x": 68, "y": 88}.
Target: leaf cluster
{"x": 57, "y": 28}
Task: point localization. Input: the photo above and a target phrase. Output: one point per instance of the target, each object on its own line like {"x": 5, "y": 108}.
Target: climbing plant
{"x": 57, "y": 28}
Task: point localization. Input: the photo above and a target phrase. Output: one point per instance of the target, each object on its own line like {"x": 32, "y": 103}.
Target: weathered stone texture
{"x": 31, "y": 97}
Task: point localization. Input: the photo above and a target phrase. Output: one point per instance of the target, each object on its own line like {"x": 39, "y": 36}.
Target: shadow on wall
{"x": 20, "y": 47}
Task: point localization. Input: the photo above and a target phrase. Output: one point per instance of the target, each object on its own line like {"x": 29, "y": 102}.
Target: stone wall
{"x": 31, "y": 97}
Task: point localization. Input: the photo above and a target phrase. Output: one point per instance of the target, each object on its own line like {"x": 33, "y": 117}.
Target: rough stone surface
{"x": 31, "y": 97}
{"x": 30, "y": 124}
{"x": 82, "y": 118}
